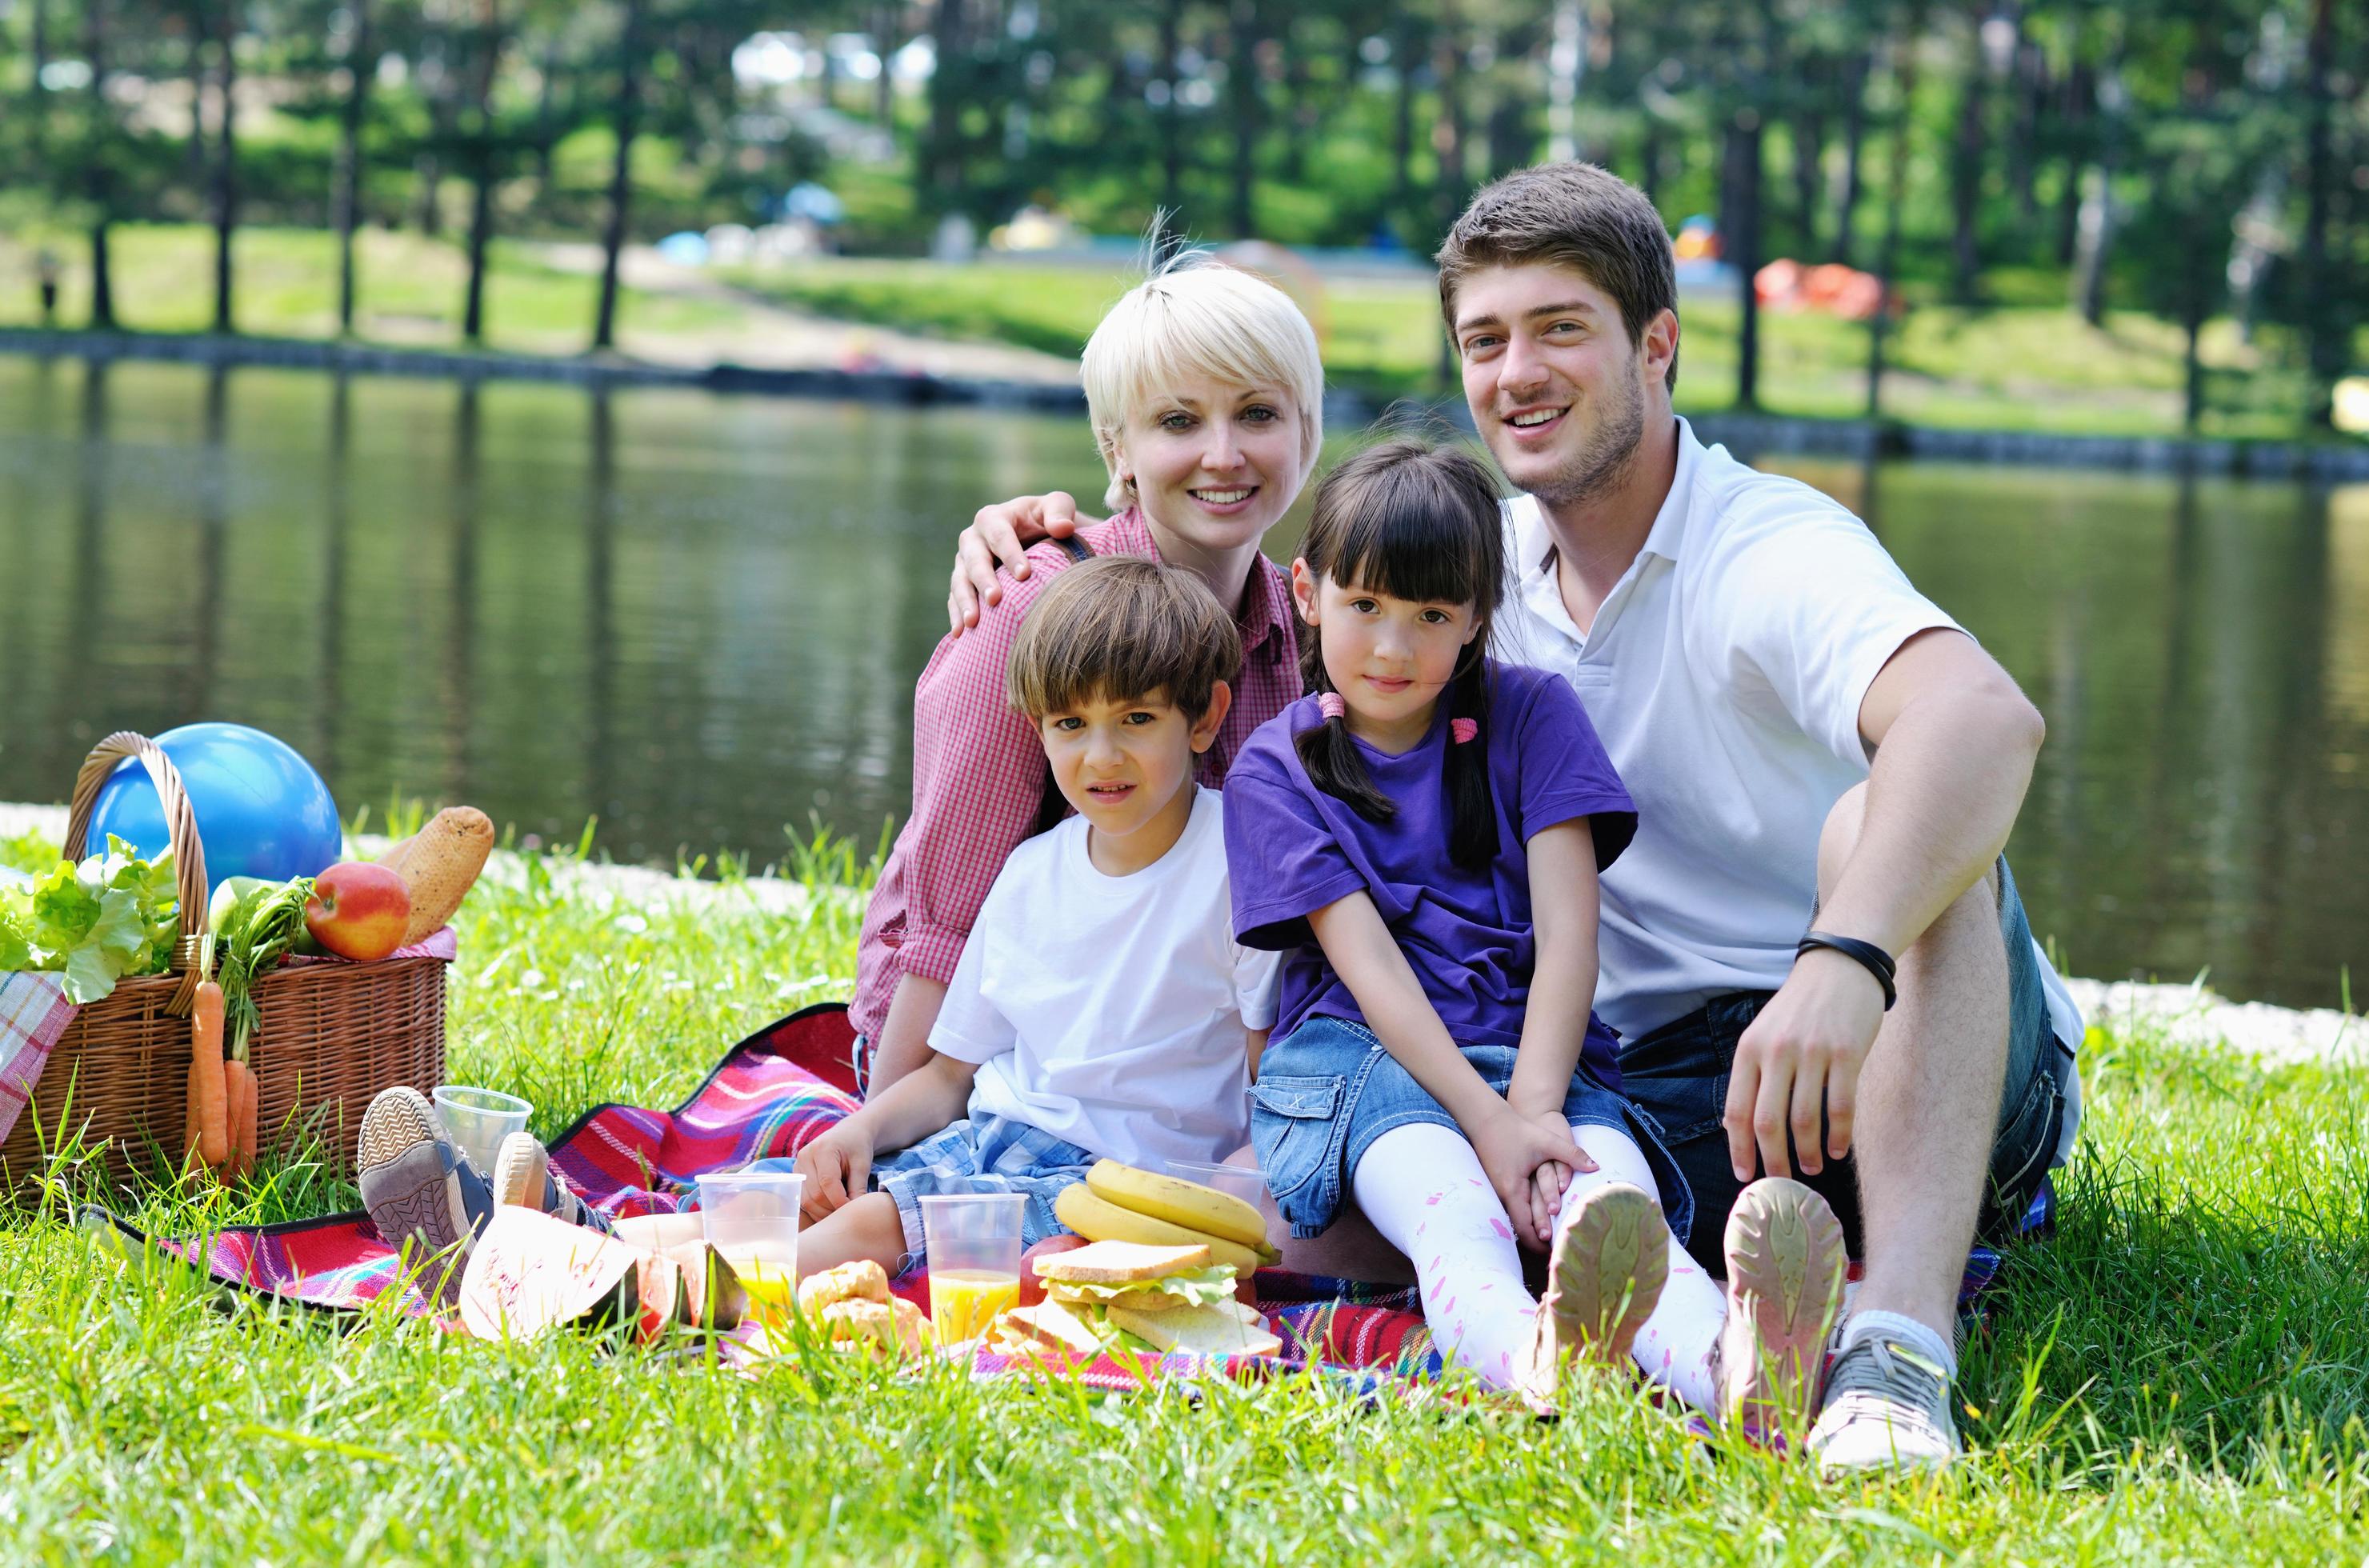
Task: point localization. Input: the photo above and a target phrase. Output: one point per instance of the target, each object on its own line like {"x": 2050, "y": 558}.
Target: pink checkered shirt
{"x": 979, "y": 770}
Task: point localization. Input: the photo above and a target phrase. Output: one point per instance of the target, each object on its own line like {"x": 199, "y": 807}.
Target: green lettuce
{"x": 95, "y": 920}
{"x": 1199, "y": 1286}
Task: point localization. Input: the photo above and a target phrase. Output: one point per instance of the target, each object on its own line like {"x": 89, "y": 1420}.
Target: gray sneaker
{"x": 523, "y": 1177}
{"x": 1887, "y": 1406}
{"x": 426, "y": 1200}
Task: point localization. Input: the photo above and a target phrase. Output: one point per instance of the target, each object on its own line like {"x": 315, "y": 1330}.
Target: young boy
{"x": 1101, "y": 1006}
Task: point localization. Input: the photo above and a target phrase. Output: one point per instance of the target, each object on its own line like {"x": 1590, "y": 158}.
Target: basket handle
{"x": 180, "y": 825}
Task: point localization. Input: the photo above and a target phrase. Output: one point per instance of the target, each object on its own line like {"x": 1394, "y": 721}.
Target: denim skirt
{"x": 1328, "y": 1088}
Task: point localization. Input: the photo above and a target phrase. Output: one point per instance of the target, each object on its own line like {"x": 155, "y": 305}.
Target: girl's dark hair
{"x": 1412, "y": 520}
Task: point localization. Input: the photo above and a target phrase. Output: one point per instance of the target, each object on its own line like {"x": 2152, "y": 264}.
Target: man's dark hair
{"x": 1575, "y": 215}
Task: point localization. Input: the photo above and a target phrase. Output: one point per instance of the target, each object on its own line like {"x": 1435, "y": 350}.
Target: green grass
{"x": 409, "y": 290}
{"x": 2181, "y": 1376}
{"x": 2010, "y": 367}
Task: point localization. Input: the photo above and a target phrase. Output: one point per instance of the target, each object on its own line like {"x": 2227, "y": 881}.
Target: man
{"x": 1813, "y": 949}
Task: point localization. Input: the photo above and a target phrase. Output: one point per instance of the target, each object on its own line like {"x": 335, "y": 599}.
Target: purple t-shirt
{"x": 1291, "y": 849}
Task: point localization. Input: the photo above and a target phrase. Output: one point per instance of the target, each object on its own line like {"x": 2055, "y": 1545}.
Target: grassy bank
{"x": 409, "y": 289}
{"x": 2180, "y": 1376}
{"x": 2015, "y": 366}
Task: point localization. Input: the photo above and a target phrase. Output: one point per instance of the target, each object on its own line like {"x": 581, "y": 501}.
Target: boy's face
{"x": 1121, "y": 762}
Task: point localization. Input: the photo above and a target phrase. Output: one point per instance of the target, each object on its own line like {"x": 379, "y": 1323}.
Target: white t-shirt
{"x": 1725, "y": 674}
{"x": 1111, "y": 1011}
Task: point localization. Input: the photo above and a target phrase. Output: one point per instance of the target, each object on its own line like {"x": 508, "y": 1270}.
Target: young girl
{"x": 1421, "y": 836}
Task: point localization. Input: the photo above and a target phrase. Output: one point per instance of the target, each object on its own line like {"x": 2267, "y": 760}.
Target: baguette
{"x": 440, "y": 863}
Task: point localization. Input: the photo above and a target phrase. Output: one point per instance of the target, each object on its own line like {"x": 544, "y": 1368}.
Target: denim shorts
{"x": 1328, "y": 1088}
{"x": 1679, "y": 1074}
{"x": 990, "y": 1154}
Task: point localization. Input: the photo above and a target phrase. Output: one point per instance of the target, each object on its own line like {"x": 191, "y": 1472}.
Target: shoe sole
{"x": 520, "y": 1166}
{"x": 1607, "y": 1273}
{"x": 407, "y": 1191}
{"x": 1785, "y": 1267}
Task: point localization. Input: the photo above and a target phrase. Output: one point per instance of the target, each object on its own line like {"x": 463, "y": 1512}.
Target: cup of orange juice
{"x": 752, "y": 1219}
{"x": 973, "y": 1243}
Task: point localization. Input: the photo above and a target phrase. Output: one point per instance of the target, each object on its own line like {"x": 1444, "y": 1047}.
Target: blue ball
{"x": 261, "y": 809}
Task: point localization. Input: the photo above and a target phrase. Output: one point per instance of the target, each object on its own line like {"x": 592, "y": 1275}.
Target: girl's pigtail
{"x": 1471, "y": 809}
{"x": 1330, "y": 755}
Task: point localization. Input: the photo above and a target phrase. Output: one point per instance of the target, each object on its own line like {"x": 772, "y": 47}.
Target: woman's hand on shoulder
{"x": 1000, "y": 535}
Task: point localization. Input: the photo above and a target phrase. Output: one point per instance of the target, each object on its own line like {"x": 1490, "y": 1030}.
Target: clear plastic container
{"x": 973, "y": 1243}
{"x": 478, "y": 1119}
{"x": 752, "y": 1219}
{"x": 1244, "y": 1182}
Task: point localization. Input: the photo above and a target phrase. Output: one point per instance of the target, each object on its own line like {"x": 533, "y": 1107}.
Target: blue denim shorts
{"x": 1679, "y": 1074}
{"x": 1328, "y": 1088}
{"x": 987, "y": 1155}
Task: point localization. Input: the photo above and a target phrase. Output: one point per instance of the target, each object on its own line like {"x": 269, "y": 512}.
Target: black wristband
{"x": 1867, "y": 955}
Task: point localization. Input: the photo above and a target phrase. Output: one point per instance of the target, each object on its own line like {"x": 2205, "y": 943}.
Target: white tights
{"x": 1423, "y": 1187}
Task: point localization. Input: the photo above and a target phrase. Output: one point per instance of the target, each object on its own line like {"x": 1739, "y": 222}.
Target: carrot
{"x": 234, "y": 1077}
{"x": 209, "y": 1089}
{"x": 251, "y": 1110}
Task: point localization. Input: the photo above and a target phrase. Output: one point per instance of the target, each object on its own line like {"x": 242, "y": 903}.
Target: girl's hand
{"x": 1512, "y": 1148}
{"x": 837, "y": 1166}
{"x": 1553, "y": 1180}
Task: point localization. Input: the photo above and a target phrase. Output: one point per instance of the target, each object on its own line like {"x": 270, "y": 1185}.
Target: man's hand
{"x": 1803, "y": 1052}
{"x": 1000, "y": 535}
{"x": 837, "y": 1166}
{"x": 1513, "y": 1149}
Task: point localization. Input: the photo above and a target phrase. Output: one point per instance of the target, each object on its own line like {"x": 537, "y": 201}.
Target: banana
{"x": 1179, "y": 1202}
{"x": 1099, "y": 1219}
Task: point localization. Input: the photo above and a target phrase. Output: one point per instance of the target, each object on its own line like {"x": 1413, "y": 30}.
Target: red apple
{"x": 359, "y": 910}
{"x": 1032, "y": 1290}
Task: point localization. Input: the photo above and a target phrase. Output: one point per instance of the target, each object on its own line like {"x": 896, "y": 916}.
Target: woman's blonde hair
{"x": 1200, "y": 317}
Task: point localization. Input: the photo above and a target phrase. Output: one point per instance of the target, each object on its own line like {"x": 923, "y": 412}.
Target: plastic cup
{"x": 973, "y": 1243}
{"x": 478, "y": 1119}
{"x": 752, "y": 1219}
{"x": 1245, "y": 1182}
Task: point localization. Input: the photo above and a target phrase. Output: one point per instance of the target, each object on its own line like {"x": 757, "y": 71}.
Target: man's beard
{"x": 1602, "y": 462}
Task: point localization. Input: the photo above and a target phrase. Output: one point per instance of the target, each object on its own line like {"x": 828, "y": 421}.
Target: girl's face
{"x": 1389, "y": 659}
{"x": 1215, "y": 464}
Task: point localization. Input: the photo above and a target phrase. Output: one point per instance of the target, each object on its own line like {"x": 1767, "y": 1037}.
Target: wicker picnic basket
{"x": 333, "y": 1033}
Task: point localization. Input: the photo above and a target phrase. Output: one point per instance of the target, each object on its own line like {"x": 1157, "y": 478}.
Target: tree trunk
{"x": 1172, "y": 129}
{"x": 481, "y": 166}
{"x": 1966, "y": 178}
{"x": 884, "y": 44}
{"x": 1447, "y": 132}
{"x": 1402, "y": 59}
{"x": 2097, "y": 211}
{"x": 2080, "y": 121}
{"x": 1895, "y": 198}
{"x": 41, "y": 94}
{"x": 2192, "y": 360}
{"x": 621, "y": 177}
{"x": 1854, "y": 140}
{"x": 359, "y": 66}
{"x": 1649, "y": 159}
{"x": 943, "y": 157}
{"x": 2328, "y": 332}
{"x": 1741, "y": 222}
{"x": 99, "y": 180}
{"x": 546, "y": 109}
{"x": 2029, "y": 81}
{"x": 225, "y": 203}
{"x": 1244, "y": 96}
{"x": 1809, "y": 146}
{"x": 193, "y": 151}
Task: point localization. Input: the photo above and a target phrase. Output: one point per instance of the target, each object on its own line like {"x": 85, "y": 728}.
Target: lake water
{"x": 698, "y": 620}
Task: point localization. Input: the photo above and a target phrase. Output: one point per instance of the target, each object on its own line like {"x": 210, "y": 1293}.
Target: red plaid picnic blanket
{"x": 769, "y": 1094}
{"x": 34, "y": 1013}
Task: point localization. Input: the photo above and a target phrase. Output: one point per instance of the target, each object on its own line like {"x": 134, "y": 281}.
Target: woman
{"x": 1206, "y": 395}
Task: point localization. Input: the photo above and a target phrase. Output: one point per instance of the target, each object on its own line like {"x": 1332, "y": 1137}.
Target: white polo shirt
{"x": 1725, "y": 674}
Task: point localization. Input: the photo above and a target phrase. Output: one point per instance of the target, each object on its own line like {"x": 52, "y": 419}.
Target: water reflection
{"x": 698, "y": 619}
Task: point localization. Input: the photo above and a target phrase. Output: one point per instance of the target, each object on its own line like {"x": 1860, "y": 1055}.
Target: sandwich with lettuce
{"x": 1126, "y": 1295}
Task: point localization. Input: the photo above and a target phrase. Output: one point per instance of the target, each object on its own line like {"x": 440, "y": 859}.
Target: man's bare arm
{"x": 1953, "y": 742}
{"x": 999, "y": 537}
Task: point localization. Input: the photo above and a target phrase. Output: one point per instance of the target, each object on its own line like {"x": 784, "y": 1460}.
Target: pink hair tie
{"x": 1463, "y": 729}
{"x": 1332, "y": 705}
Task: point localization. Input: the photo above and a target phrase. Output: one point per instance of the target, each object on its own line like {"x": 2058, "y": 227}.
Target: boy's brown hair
{"x": 1575, "y": 215}
{"x": 1120, "y": 627}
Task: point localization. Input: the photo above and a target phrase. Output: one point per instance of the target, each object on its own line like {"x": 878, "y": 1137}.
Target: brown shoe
{"x": 1611, "y": 1258}
{"x": 1785, "y": 1265}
